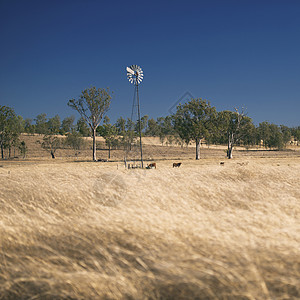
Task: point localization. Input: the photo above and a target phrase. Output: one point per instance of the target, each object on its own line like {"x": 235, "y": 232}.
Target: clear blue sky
{"x": 232, "y": 53}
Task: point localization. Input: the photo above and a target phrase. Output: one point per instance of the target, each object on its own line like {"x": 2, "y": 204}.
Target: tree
{"x": 7, "y": 115}
{"x": 264, "y": 132}
{"x": 152, "y": 128}
{"x": 130, "y": 135}
{"x": 41, "y": 124}
{"x": 75, "y": 141}
{"x": 295, "y": 131}
{"x": 144, "y": 122}
{"x": 67, "y": 124}
{"x": 23, "y": 149}
{"x": 109, "y": 133}
{"x": 53, "y": 125}
{"x": 11, "y": 127}
{"x": 274, "y": 136}
{"x": 28, "y": 126}
{"x": 16, "y": 128}
{"x": 92, "y": 105}
{"x": 234, "y": 128}
{"x": 195, "y": 120}
{"x": 82, "y": 127}
{"x": 275, "y": 139}
{"x": 50, "y": 143}
{"x": 121, "y": 126}
{"x": 286, "y": 134}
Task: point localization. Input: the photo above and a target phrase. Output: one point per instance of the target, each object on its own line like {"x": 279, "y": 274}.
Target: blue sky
{"x": 232, "y": 53}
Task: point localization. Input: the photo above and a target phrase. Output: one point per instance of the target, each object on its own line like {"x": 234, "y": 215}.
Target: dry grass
{"x": 203, "y": 231}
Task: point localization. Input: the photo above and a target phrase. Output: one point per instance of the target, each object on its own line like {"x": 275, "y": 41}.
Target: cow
{"x": 151, "y": 166}
{"x": 176, "y": 165}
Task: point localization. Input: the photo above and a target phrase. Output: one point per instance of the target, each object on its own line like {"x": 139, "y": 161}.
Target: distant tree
{"x": 130, "y": 136}
{"x": 121, "y": 126}
{"x": 144, "y": 122}
{"x": 41, "y": 125}
{"x": 195, "y": 120}
{"x": 7, "y": 117}
{"x": 75, "y": 140}
{"x": 286, "y": 134}
{"x": 92, "y": 105}
{"x": 160, "y": 128}
{"x": 295, "y": 131}
{"x": 110, "y": 134}
{"x": 11, "y": 127}
{"x": 83, "y": 128}
{"x": 275, "y": 139}
{"x": 152, "y": 128}
{"x": 23, "y": 149}
{"x": 16, "y": 127}
{"x": 234, "y": 128}
{"x": 53, "y": 125}
{"x": 67, "y": 124}
{"x": 274, "y": 136}
{"x": 264, "y": 132}
{"x": 28, "y": 126}
{"x": 50, "y": 143}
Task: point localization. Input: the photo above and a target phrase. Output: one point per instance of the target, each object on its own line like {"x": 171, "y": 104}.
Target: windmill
{"x": 135, "y": 76}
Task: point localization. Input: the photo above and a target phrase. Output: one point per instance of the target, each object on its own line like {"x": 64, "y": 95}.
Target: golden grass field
{"x": 82, "y": 230}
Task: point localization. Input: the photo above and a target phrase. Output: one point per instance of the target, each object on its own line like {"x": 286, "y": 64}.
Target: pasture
{"x": 83, "y": 230}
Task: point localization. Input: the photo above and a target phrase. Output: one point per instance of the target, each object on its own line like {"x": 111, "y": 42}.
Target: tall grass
{"x": 203, "y": 231}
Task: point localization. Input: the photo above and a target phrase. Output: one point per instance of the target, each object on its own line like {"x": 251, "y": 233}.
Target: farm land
{"x": 75, "y": 229}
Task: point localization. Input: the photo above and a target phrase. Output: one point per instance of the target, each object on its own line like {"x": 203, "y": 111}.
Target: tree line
{"x": 194, "y": 121}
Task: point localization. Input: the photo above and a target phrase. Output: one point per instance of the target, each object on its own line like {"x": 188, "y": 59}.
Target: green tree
{"x": 273, "y": 135}
{"x": 67, "y": 124}
{"x": 275, "y": 139}
{"x": 110, "y": 134}
{"x": 50, "y": 143}
{"x": 234, "y": 128}
{"x": 144, "y": 122}
{"x": 131, "y": 134}
{"x": 194, "y": 121}
{"x": 295, "y": 131}
{"x": 53, "y": 125}
{"x": 28, "y": 126}
{"x": 121, "y": 126}
{"x": 286, "y": 134}
{"x": 41, "y": 125}
{"x": 161, "y": 132}
{"x": 152, "y": 128}
{"x": 23, "y": 149}
{"x": 264, "y": 132}
{"x": 7, "y": 129}
{"x": 83, "y": 128}
{"x": 75, "y": 140}
{"x": 11, "y": 127}
{"x": 92, "y": 105}
{"x": 16, "y": 128}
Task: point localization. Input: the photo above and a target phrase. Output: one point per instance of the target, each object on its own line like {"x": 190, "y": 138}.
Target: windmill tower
{"x": 135, "y": 76}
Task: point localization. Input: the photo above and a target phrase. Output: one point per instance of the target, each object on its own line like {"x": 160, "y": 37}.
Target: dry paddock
{"x": 83, "y": 230}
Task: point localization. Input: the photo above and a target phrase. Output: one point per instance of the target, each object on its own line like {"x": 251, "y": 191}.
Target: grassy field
{"x": 84, "y": 230}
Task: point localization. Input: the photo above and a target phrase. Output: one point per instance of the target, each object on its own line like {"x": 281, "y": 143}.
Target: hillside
{"x": 153, "y": 149}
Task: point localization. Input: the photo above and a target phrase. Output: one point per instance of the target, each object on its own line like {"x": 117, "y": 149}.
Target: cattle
{"x": 151, "y": 166}
{"x": 176, "y": 165}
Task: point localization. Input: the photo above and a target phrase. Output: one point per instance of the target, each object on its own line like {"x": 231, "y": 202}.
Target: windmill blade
{"x": 130, "y": 70}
